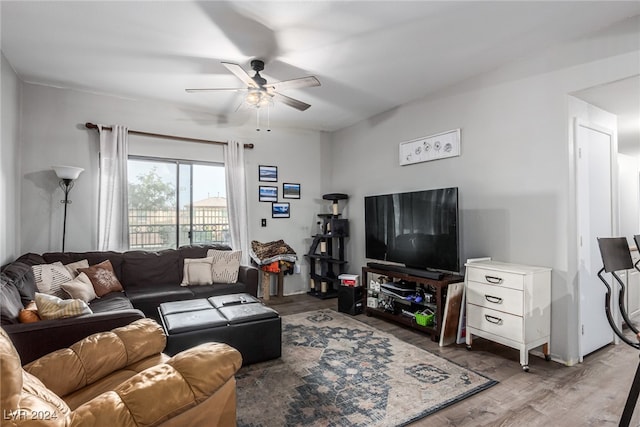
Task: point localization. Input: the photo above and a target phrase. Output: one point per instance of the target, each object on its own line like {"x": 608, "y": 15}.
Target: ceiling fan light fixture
{"x": 257, "y": 98}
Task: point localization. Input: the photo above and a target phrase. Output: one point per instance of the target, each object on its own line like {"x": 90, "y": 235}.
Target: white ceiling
{"x": 370, "y": 56}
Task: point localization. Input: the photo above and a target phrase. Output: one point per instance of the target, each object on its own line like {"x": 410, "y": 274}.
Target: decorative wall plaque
{"x": 434, "y": 147}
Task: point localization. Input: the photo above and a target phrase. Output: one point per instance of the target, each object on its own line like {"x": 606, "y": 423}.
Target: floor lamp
{"x": 67, "y": 175}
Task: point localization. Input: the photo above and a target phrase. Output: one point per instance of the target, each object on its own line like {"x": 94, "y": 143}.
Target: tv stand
{"x": 437, "y": 288}
{"x": 435, "y": 275}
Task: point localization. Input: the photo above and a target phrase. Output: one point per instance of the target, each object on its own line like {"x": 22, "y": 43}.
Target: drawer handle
{"x": 492, "y": 319}
{"x": 494, "y": 280}
{"x": 495, "y": 300}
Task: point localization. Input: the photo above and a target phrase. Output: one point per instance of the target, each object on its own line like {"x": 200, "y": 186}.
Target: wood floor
{"x": 592, "y": 393}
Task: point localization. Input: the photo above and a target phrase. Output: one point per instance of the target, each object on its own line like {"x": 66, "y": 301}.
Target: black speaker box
{"x": 350, "y": 299}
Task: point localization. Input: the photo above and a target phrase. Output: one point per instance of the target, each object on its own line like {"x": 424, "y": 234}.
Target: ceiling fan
{"x": 259, "y": 93}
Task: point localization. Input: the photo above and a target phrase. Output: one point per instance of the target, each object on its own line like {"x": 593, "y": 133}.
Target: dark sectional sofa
{"x": 148, "y": 279}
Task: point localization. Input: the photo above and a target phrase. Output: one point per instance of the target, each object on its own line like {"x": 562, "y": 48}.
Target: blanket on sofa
{"x": 270, "y": 252}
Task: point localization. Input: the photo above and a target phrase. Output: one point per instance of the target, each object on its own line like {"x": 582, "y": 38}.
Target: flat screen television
{"x": 418, "y": 229}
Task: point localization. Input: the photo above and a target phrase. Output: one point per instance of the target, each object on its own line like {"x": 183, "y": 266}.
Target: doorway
{"x": 596, "y": 212}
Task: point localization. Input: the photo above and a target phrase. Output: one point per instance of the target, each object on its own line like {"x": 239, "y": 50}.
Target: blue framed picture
{"x": 268, "y": 173}
{"x": 280, "y": 210}
{"x": 267, "y": 193}
{"x": 290, "y": 190}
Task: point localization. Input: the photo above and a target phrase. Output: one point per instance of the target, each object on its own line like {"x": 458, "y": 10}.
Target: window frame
{"x": 178, "y": 162}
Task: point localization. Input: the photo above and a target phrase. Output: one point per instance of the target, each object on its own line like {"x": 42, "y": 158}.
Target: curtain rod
{"x": 89, "y": 125}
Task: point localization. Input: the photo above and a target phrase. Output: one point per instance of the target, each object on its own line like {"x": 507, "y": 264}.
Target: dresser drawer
{"x": 495, "y": 322}
{"x": 495, "y": 297}
{"x": 497, "y": 278}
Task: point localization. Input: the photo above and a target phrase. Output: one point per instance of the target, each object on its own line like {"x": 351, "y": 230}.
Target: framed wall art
{"x": 267, "y": 193}
{"x": 290, "y": 190}
{"x": 434, "y": 147}
{"x": 280, "y": 210}
{"x": 268, "y": 173}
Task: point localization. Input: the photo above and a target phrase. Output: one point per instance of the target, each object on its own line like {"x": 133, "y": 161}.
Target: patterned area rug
{"x": 337, "y": 371}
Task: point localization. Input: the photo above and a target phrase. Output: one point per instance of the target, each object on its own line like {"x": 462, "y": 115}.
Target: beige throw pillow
{"x": 197, "y": 271}
{"x": 74, "y": 266}
{"x": 80, "y": 288}
{"x": 49, "y": 277}
{"x": 52, "y": 307}
{"x": 225, "y": 266}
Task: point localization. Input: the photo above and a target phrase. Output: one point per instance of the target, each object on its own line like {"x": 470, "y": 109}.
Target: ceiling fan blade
{"x": 298, "y": 105}
{"x": 232, "y": 89}
{"x": 241, "y": 74}
{"x": 310, "y": 81}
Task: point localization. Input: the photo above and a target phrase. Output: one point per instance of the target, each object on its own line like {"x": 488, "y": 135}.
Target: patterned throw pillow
{"x": 52, "y": 307}
{"x": 197, "y": 271}
{"x": 80, "y": 288}
{"x": 49, "y": 277}
{"x": 225, "y": 266}
{"x": 102, "y": 278}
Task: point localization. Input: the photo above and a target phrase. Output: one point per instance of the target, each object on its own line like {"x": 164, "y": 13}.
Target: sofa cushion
{"x": 9, "y": 301}
{"x": 96, "y": 257}
{"x": 149, "y": 299}
{"x": 141, "y": 268}
{"x": 171, "y": 291}
{"x": 205, "y": 291}
{"x": 31, "y": 259}
{"x": 111, "y": 302}
{"x": 22, "y": 277}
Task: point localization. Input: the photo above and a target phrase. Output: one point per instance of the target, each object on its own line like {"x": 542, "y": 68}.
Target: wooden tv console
{"x": 438, "y": 289}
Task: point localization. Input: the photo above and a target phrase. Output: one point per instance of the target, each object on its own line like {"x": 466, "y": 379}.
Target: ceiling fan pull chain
{"x": 258, "y": 119}
{"x": 268, "y": 118}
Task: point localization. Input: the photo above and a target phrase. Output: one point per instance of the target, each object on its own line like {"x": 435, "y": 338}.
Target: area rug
{"x": 337, "y": 371}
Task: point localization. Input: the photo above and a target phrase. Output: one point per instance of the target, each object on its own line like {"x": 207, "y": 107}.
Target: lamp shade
{"x": 67, "y": 172}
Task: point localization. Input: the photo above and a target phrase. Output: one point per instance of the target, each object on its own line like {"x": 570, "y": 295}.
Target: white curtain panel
{"x": 237, "y": 198}
{"x": 113, "y": 219}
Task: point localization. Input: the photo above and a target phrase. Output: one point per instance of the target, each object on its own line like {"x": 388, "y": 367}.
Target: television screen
{"x": 418, "y": 229}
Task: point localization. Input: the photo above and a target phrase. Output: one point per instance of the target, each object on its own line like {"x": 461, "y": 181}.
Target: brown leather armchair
{"x": 120, "y": 378}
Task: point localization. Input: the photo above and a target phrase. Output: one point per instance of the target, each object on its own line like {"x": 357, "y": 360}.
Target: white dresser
{"x": 509, "y": 304}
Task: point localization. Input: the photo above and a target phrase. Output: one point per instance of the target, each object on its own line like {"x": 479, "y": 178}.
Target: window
{"x": 161, "y": 212}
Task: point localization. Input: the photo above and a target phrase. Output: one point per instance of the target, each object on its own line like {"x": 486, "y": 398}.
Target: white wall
{"x": 629, "y": 196}
{"x": 514, "y": 172}
{"x": 9, "y": 164}
{"x": 54, "y": 133}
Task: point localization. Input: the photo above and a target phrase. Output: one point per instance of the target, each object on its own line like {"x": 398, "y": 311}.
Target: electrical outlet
{"x": 296, "y": 269}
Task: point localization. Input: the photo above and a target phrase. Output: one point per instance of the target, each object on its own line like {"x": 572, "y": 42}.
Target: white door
{"x": 595, "y": 211}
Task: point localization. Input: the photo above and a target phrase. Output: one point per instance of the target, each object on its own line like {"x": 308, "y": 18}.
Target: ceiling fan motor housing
{"x": 257, "y": 66}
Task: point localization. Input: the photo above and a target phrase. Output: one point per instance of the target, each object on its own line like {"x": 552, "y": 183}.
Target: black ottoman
{"x": 239, "y": 320}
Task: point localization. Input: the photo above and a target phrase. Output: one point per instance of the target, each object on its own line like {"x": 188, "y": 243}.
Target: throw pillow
{"x": 74, "y": 266}
{"x": 197, "y": 271}
{"x": 52, "y": 307}
{"x": 29, "y": 314}
{"x": 102, "y": 278}
{"x": 225, "y": 266}
{"x": 49, "y": 277}
{"x": 80, "y": 288}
